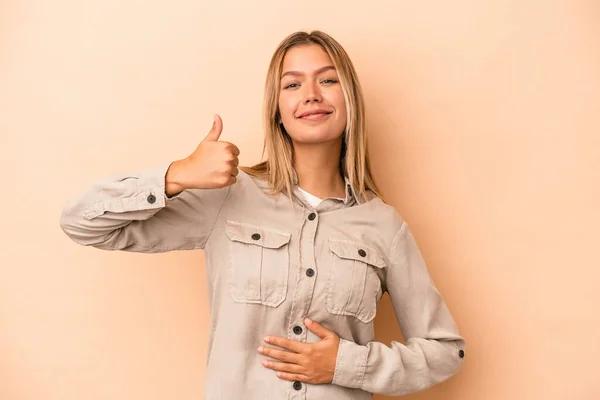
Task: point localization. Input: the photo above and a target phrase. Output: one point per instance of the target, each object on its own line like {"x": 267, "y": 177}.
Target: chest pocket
{"x": 258, "y": 263}
{"x": 353, "y": 285}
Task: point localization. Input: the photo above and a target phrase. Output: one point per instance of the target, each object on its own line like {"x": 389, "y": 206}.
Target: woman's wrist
{"x": 173, "y": 181}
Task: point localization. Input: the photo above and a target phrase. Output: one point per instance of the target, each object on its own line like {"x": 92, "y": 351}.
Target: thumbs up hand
{"x": 212, "y": 165}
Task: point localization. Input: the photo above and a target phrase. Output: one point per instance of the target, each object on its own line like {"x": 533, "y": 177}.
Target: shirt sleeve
{"x": 434, "y": 350}
{"x": 131, "y": 212}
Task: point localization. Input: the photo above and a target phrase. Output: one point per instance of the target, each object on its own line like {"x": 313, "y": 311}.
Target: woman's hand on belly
{"x": 303, "y": 362}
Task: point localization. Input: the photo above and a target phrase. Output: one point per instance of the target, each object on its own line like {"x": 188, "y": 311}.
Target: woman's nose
{"x": 313, "y": 94}
{"x": 312, "y": 99}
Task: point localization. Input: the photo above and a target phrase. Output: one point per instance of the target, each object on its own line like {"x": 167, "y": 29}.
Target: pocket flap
{"x": 356, "y": 251}
{"x": 257, "y": 235}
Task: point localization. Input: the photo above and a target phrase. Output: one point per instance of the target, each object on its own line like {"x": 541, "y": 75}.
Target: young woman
{"x": 299, "y": 248}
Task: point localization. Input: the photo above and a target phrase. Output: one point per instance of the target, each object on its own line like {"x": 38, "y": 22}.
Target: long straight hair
{"x": 277, "y": 168}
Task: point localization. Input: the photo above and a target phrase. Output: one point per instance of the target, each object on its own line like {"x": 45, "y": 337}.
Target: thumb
{"x": 317, "y": 328}
{"x": 215, "y": 131}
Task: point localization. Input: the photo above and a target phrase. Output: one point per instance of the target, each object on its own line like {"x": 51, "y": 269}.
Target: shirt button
{"x": 461, "y": 354}
{"x": 297, "y": 385}
{"x": 151, "y": 199}
{"x": 362, "y": 253}
{"x": 297, "y": 330}
{"x": 256, "y": 236}
{"x": 312, "y": 216}
{"x": 310, "y": 272}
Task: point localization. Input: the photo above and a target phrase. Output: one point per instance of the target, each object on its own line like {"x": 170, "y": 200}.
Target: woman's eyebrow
{"x": 317, "y": 72}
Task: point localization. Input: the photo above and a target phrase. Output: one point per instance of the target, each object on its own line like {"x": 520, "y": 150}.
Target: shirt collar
{"x": 350, "y": 190}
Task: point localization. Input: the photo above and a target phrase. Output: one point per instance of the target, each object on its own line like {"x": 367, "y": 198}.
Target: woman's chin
{"x": 314, "y": 137}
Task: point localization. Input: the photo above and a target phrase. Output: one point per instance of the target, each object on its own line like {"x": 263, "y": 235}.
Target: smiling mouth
{"x": 313, "y": 116}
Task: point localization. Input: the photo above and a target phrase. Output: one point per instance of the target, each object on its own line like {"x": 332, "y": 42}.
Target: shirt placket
{"x": 306, "y": 277}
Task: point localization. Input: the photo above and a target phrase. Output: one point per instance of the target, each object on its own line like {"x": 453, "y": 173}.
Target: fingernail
{"x": 307, "y": 321}
{"x": 260, "y": 349}
{"x": 267, "y": 339}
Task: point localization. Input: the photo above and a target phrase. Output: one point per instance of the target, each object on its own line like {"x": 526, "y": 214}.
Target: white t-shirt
{"x": 311, "y": 198}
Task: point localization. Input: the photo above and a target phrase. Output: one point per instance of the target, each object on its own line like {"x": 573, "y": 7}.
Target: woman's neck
{"x": 317, "y": 168}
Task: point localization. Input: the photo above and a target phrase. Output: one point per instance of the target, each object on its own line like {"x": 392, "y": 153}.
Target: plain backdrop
{"x": 484, "y": 129}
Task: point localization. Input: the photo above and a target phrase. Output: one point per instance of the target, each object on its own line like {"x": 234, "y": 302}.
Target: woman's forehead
{"x": 306, "y": 59}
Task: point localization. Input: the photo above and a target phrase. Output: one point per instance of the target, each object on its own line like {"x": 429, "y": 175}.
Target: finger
{"x": 215, "y": 131}
{"x": 234, "y": 161}
{"x": 286, "y": 376}
{"x": 280, "y": 355}
{"x": 283, "y": 367}
{"x": 234, "y": 171}
{"x": 234, "y": 149}
{"x": 232, "y": 180}
{"x": 317, "y": 328}
{"x": 291, "y": 345}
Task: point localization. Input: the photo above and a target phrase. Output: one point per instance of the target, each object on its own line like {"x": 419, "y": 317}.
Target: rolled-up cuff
{"x": 350, "y": 364}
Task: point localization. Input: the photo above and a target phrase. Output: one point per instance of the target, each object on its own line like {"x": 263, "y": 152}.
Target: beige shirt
{"x": 269, "y": 267}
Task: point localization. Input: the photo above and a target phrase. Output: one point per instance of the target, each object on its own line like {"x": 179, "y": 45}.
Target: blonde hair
{"x": 277, "y": 169}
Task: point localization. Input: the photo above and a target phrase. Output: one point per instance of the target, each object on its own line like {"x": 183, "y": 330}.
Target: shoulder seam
{"x": 216, "y": 218}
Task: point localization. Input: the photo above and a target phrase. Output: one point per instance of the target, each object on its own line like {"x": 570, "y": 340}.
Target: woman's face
{"x": 311, "y": 101}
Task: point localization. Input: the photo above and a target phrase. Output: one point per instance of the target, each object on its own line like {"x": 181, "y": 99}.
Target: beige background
{"x": 484, "y": 125}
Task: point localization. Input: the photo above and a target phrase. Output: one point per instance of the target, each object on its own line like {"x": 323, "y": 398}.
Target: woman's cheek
{"x": 287, "y": 109}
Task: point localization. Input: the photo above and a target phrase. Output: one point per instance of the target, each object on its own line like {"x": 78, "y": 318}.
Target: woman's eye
{"x": 295, "y": 85}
